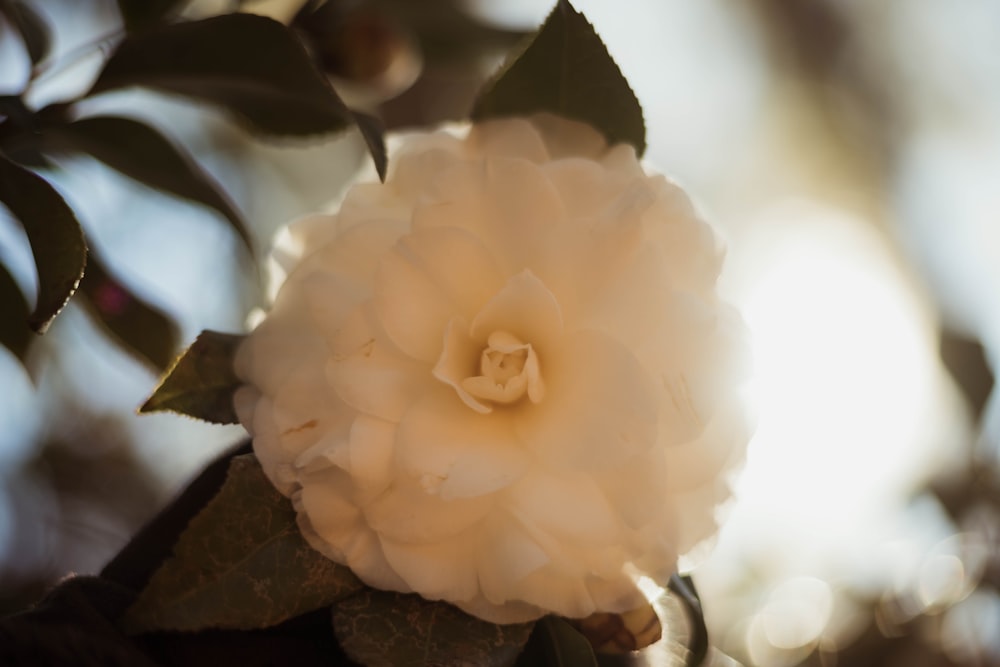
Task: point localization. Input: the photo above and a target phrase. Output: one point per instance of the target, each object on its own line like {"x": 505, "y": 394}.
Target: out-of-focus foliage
{"x": 252, "y": 67}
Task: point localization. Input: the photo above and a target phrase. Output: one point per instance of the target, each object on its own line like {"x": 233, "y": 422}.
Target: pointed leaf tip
{"x": 202, "y": 381}
{"x": 54, "y": 234}
{"x": 566, "y": 70}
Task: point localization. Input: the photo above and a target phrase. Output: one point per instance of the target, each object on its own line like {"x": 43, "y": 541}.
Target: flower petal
{"x": 567, "y": 506}
{"x": 368, "y": 373}
{"x": 429, "y": 277}
{"x": 442, "y": 570}
{"x": 458, "y": 453}
{"x": 600, "y": 405}
{"x": 525, "y": 308}
{"x": 511, "y": 137}
{"x": 509, "y": 204}
{"x": 406, "y": 512}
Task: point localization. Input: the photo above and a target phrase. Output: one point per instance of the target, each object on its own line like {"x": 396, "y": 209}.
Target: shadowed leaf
{"x": 383, "y": 629}
{"x": 621, "y": 633}
{"x": 54, "y": 234}
{"x": 140, "y": 152}
{"x": 201, "y": 382}
{"x": 137, "y": 14}
{"x": 32, "y": 27}
{"x": 556, "y": 643}
{"x": 142, "y": 328}
{"x": 566, "y": 70}
{"x": 374, "y": 135}
{"x": 249, "y": 65}
{"x": 240, "y": 564}
{"x": 14, "y": 332}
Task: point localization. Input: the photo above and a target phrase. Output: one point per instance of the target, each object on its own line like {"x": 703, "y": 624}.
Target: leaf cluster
{"x": 250, "y": 67}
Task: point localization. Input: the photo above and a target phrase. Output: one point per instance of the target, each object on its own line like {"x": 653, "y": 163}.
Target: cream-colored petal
{"x": 458, "y": 362}
{"x": 510, "y": 205}
{"x": 455, "y": 452}
{"x": 369, "y": 374}
{"x": 568, "y": 138}
{"x": 442, "y": 570}
{"x": 524, "y": 308}
{"x": 510, "y": 137}
{"x": 507, "y": 555}
{"x": 569, "y": 506}
{"x": 406, "y": 512}
{"x": 600, "y": 405}
{"x": 429, "y": 277}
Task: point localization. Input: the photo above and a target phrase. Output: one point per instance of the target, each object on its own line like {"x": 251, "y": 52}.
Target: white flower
{"x": 503, "y": 378}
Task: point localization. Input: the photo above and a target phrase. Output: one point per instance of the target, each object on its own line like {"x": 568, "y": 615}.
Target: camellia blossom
{"x": 503, "y": 378}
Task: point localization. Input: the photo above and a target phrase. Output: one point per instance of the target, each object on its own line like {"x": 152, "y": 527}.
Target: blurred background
{"x": 849, "y": 153}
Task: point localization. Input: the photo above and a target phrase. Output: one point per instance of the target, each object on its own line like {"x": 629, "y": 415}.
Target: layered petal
{"x": 503, "y": 378}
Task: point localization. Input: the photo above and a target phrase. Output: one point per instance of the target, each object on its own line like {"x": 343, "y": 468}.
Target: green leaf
{"x": 201, "y": 382}
{"x": 14, "y": 332}
{"x": 241, "y": 564}
{"x": 54, "y": 234}
{"x": 566, "y": 70}
{"x": 249, "y": 65}
{"x": 32, "y": 27}
{"x": 383, "y": 629}
{"x": 142, "y": 328}
{"x": 373, "y": 133}
{"x": 555, "y": 643}
{"x": 138, "y": 14}
{"x": 140, "y": 152}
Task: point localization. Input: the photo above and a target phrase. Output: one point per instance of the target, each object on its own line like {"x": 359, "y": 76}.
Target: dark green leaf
{"x": 683, "y": 587}
{"x": 374, "y": 135}
{"x": 249, "y": 65}
{"x": 140, "y": 152}
{"x": 202, "y": 381}
{"x": 240, "y": 564}
{"x": 138, "y": 14}
{"x": 32, "y": 27}
{"x": 14, "y": 332}
{"x": 383, "y": 629}
{"x": 566, "y": 70}
{"x": 555, "y": 643}
{"x": 142, "y": 328}
{"x": 54, "y": 234}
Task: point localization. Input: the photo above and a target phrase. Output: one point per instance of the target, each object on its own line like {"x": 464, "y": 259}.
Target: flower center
{"x": 508, "y": 369}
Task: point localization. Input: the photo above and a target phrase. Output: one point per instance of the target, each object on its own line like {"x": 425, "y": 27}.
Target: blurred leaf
{"x": 566, "y": 70}
{"x": 384, "y": 629}
{"x": 202, "y": 381}
{"x": 140, "y": 152}
{"x": 14, "y": 332}
{"x": 249, "y": 65}
{"x": 54, "y": 234}
{"x": 682, "y": 585}
{"x": 374, "y": 135}
{"x": 19, "y": 133}
{"x": 32, "y": 27}
{"x": 556, "y": 643}
{"x": 241, "y": 564}
{"x": 142, "y": 328}
{"x": 621, "y": 633}
{"x": 138, "y": 14}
